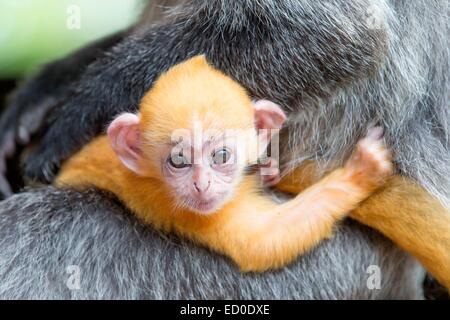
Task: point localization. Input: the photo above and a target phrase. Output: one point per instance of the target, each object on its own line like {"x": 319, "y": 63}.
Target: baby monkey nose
{"x": 202, "y": 187}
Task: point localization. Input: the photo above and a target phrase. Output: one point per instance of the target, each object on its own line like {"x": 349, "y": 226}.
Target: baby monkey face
{"x": 202, "y": 168}
{"x": 203, "y": 173}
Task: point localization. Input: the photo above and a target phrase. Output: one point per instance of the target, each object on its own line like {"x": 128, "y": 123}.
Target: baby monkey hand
{"x": 371, "y": 163}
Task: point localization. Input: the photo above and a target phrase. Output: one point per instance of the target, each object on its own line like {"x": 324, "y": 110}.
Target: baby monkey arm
{"x": 279, "y": 235}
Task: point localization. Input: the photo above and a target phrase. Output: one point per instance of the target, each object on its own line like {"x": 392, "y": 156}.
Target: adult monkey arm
{"x": 420, "y": 224}
{"x": 119, "y": 258}
{"x": 413, "y": 209}
{"x": 41, "y": 93}
{"x": 51, "y": 87}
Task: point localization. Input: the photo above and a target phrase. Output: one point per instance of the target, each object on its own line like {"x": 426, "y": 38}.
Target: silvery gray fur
{"x": 43, "y": 232}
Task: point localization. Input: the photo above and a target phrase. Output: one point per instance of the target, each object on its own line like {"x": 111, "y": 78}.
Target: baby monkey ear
{"x": 125, "y": 139}
{"x": 268, "y": 115}
{"x": 269, "y": 118}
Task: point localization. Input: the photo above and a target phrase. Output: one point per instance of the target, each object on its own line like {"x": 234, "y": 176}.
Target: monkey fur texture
{"x": 334, "y": 67}
{"x": 44, "y": 231}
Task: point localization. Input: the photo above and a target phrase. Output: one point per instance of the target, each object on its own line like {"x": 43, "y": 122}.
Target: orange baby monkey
{"x": 180, "y": 163}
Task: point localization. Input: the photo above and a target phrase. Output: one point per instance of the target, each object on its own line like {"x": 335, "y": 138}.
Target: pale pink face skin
{"x": 202, "y": 177}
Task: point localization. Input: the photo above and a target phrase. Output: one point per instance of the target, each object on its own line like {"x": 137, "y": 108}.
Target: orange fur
{"x": 255, "y": 232}
{"x": 401, "y": 210}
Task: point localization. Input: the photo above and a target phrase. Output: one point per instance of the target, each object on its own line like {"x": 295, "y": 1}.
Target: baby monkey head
{"x": 196, "y": 133}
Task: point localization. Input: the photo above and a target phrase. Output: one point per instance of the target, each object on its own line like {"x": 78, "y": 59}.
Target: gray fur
{"x": 42, "y": 232}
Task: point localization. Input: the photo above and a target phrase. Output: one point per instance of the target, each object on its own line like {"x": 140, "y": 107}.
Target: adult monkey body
{"x": 322, "y": 58}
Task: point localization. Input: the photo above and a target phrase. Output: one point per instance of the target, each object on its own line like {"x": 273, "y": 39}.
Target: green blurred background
{"x": 33, "y": 32}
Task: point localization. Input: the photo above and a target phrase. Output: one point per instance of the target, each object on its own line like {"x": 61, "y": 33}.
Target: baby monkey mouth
{"x": 206, "y": 206}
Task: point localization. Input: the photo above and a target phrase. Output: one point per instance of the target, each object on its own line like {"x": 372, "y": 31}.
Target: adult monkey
{"x": 333, "y": 67}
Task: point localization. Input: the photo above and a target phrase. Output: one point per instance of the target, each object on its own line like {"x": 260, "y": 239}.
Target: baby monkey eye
{"x": 178, "y": 161}
{"x": 221, "y": 156}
